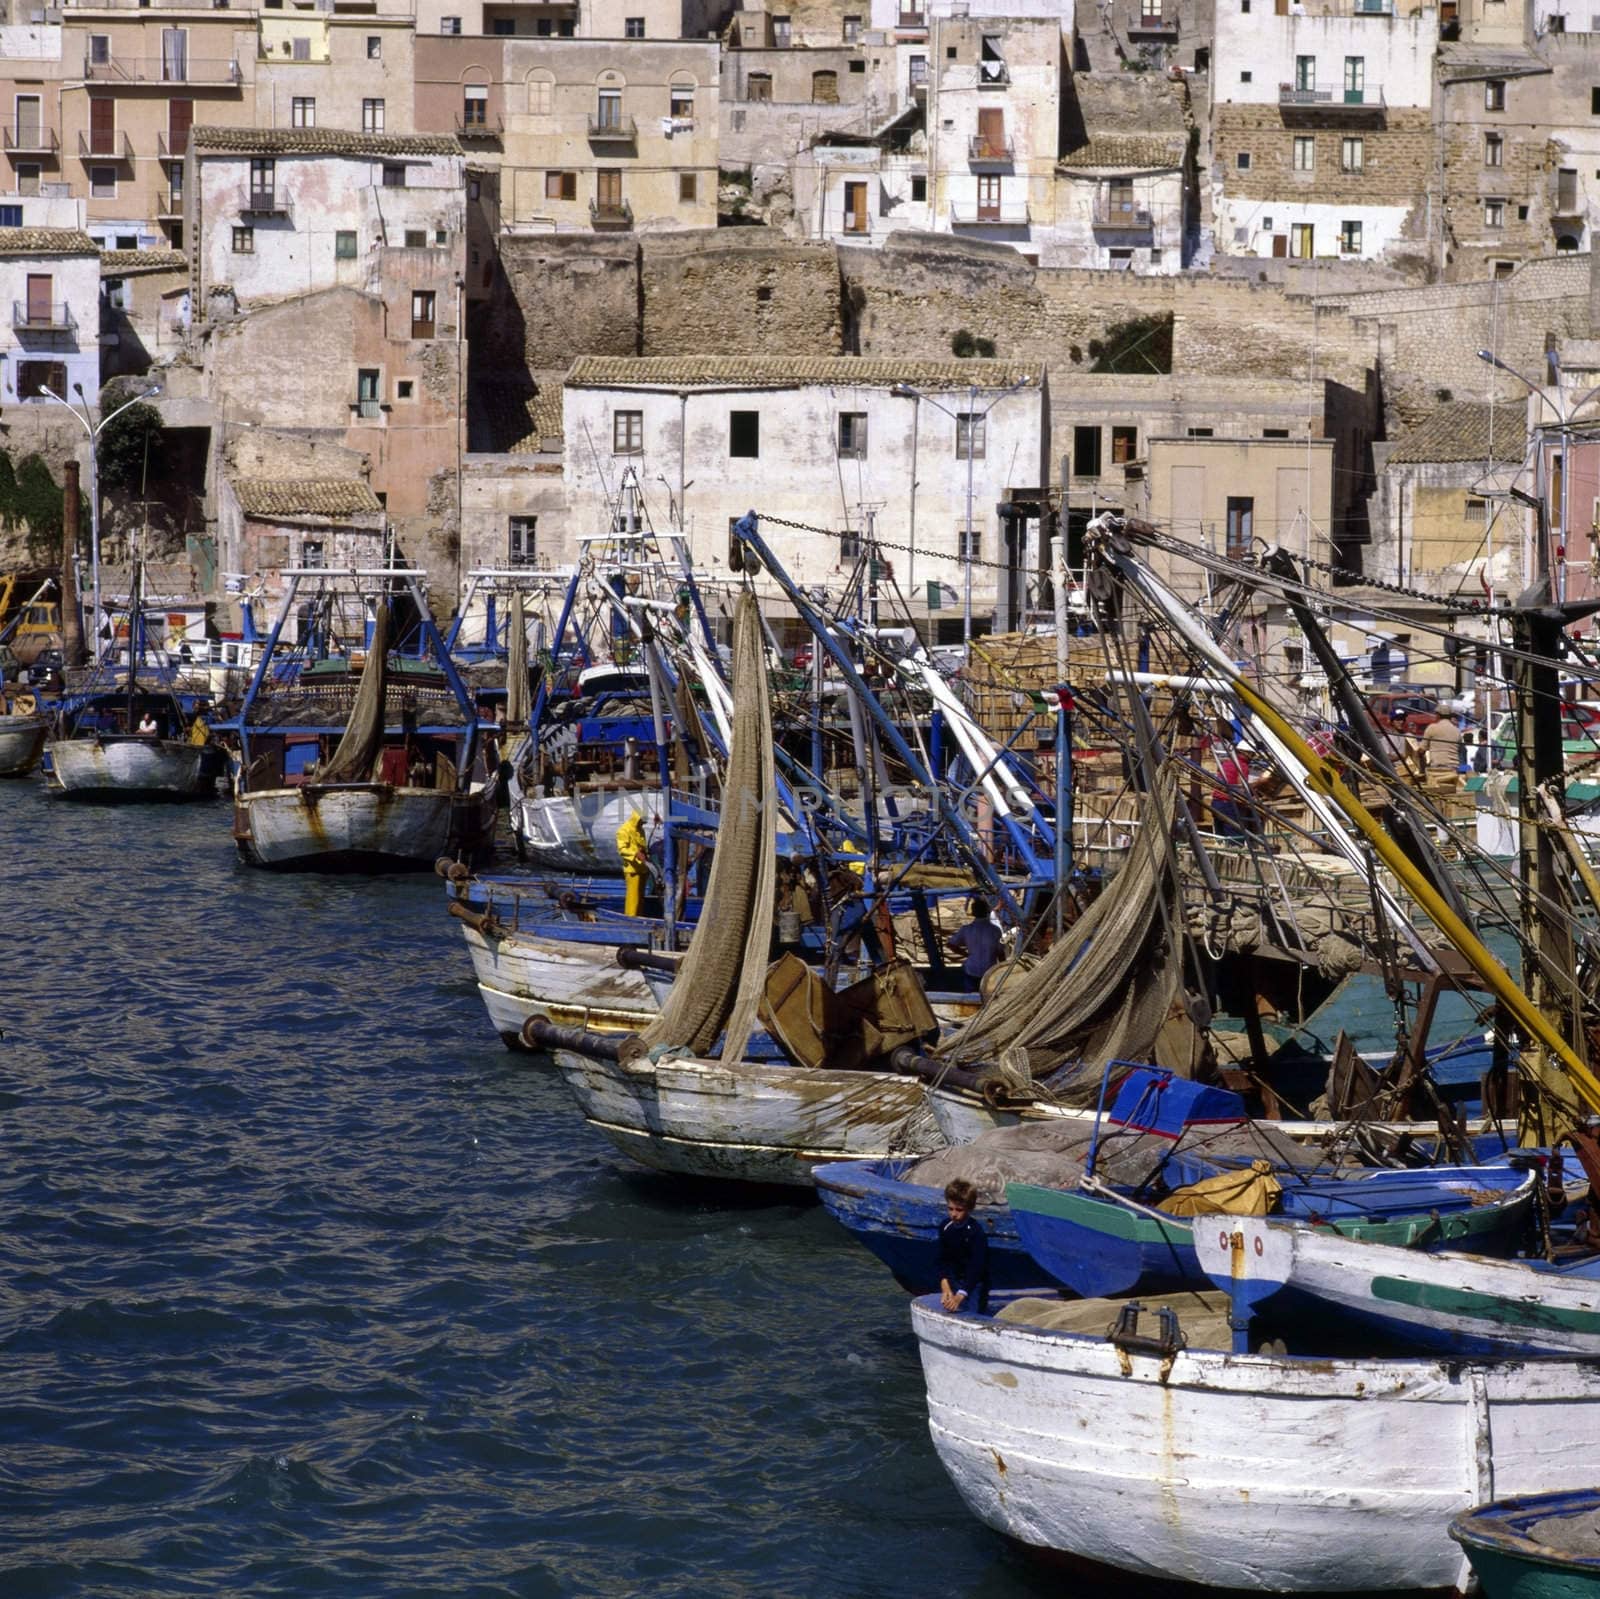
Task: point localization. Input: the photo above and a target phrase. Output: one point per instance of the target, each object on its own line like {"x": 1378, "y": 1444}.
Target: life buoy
{"x": 24, "y": 705}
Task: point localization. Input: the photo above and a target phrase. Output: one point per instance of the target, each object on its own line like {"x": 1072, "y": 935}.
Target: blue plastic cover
{"x": 1152, "y": 1099}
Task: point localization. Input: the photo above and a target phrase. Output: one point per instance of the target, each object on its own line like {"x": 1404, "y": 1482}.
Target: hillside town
{"x": 952, "y": 275}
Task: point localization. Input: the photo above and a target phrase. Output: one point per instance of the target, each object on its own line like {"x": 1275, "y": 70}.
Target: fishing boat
{"x": 131, "y": 743}
{"x": 23, "y": 732}
{"x": 1538, "y": 1546}
{"x": 387, "y": 772}
{"x": 1129, "y": 1437}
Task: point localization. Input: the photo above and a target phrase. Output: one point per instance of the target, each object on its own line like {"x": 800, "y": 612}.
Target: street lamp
{"x": 974, "y": 416}
{"x": 93, "y": 429}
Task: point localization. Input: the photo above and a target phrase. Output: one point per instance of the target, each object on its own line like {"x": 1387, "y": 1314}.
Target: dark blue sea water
{"x": 310, "y": 1287}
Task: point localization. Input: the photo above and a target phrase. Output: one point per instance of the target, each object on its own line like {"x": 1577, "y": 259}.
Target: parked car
{"x": 1580, "y": 736}
{"x": 1403, "y": 710}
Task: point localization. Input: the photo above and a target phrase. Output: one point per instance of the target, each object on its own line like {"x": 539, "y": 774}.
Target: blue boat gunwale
{"x": 1499, "y": 1526}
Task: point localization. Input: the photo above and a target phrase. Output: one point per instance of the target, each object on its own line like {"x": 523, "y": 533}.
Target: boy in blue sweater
{"x": 963, "y": 1252}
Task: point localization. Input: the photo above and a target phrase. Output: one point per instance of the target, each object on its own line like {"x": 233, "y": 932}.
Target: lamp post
{"x": 93, "y": 429}
{"x": 974, "y": 416}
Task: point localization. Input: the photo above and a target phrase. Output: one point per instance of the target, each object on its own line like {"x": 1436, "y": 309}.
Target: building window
{"x": 475, "y": 106}
{"x": 1494, "y": 95}
{"x": 1274, "y": 433}
{"x": 633, "y": 27}
{"x": 1200, "y": 433}
{"x": 782, "y": 32}
{"x": 688, "y": 187}
{"x": 244, "y": 241}
{"x": 32, "y": 376}
{"x": 1124, "y": 445}
{"x": 1349, "y": 237}
{"x": 374, "y": 47}
{"x": 406, "y": 389}
{"x": 1352, "y": 155}
{"x": 394, "y": 175}
{"x": 825, "y": 88}
{"x": 416, "y": 238}
{"x": 1494, "y": 213}
{"x": 1086, "y": 452}
{"x": 1302, "y": 240}
{"x": 852, "y": 30}
{"x": 970, "y": 435}
{"x": 372, "y": 116}
{"x": 99, "y": 49}
{"x": 1494, "y": 150}
{"x": 969, "y": 543}
{"x": 680, "y": 102}
{"x": 103, "y": 183}
{"x": 344, "y": 246}
{"x": 627, "y": 432}
{"x": 1305, "y": 155}
{"x": 1477, "y": 510}
{"x": 744, "y": 435}
{"x": 561, "y": 185}
{"x": 1594, "y": 102}
{"x": 311, "y": 554}
{"x": 303, "y": 111}
{"x": 422, "y": 303}
{"x": 506, "y": 26}
{"x": 521, "y": 536}
{"x": 855, "y": 208}
{"x": 29, "y": 174}
{"x": 608, "y": 113}
{"x": 853, "y": 435}
{"x": 919, "y": 190}
{"x": 849, "y": 544}
{"x": 858, "y": 66}
{"x": 10, "y": 216}
{"x": 1242, "y": 160}
{"x": 450, "y": 25}
{"x": 1241, "y": 526}
{"x": 1246, "y": 76}
{"x": 1305, "y": 74}
{"x": 1355, "y": 80}
{"x": 758, "y": 86}
{"x": 367, "y": 380}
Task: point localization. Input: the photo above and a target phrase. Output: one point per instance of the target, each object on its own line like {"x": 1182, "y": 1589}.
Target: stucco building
{"x": 50, "y": 302}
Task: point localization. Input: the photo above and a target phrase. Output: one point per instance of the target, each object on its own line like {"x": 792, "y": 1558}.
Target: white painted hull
{"x": 21, "y": 744}
{"x": 578, "y": 833}
{"x": 573, "y": 985}
{"x": 1247, "y": 1472}
{"x": 133, "y": 768}
{"x": 359, "y": 826}
{"x": 749, "y": 1122}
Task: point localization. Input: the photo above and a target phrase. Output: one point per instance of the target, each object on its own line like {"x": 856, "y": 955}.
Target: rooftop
{"x": 1462, "y": 63}
{"x": 787, "y": 372}
{"x": 1128, "y": 152}
{"x": 1461, "y": 431}
{"x": 319, "y": 141}
{"x": 46, "y": 241}
{"x": 279, "y": 497}
{"x": 513, "y": 418}
{"x": 125, "y": 263}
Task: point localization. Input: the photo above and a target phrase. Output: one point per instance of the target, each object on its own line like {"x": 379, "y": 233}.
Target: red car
{"x": 1403, "y": 710}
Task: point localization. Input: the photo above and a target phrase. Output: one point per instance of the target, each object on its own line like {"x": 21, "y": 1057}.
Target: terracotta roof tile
{"x": 127, "y": 263}
{"x": 319, "y": 141}
{"x": 761, "y": 371}
{"x": 1119, "y": 152}
{"x": 273, "y": 497}
{"x": 46, "y": 241}
{"x": 1460, "y": 431}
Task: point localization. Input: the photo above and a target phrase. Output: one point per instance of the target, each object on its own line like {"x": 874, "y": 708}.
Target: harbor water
{"x": 311, "y": 1287}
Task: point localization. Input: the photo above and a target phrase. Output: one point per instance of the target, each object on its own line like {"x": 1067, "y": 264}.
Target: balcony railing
{"x": 912, "y": 19}
{"x": 1118, "y": 215}
{"x": 1153, "y": 25}
{"x": 613, "y": 129}
{"x": 1331, "y": 97}
{"x": 974, "y": 215}
{"x": 263, "y": 203}
{"x": 157, "y": 69}
{"x": 982, "y": 152}
{"x": 105, "y": 147}
{"x": 31, "y": 141}
{"x": 484, "y": 127}
{"x": 26, "y": 318}
{"x": 1567, "y": 201}
{"x": 166, "y": 206}
{"x": 609, "y": 215}
{"x": 369, "y": 410}
{"x": 172, "y": 149}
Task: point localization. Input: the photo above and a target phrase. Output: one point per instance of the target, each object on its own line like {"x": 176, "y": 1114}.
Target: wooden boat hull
{"x": 578, "y": 832}
{"x": 899, "y": 1222}
{"x": 22, "y": 741}
{"x": 1508, "y": 1544}
{"x": 359, "y": 827}
{"x": 127, "y": 767}
{"x": 1247, "y": 1472}
{"x": 748, "y": 1122}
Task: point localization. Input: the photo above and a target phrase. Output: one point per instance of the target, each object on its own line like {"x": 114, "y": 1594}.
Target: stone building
{"x": 1322, "y": 128}
{"x": 144, "y": 308}
{"x": 50, "y": 295}
{"x": 338, "y": 66}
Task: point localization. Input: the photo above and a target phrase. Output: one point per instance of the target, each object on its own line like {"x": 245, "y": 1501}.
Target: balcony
{"x": 982, "y": 152}
{"x": 1113, "y": 214}
{"x": 104, "y": 147}
{"x": 139, "y": 71}
{"x": 1315, "y": 101}
{"x": 974, "y": 215}
{"x": 265, "y": 203}
{"x": 36, "y": 318}
{"x": 616, "y": 216}
{"x": 1153, "y": 25}
{"x": 487, "y": 129}
{"x": 20, "y": 139}
{"x": 609, "y": 129}
{"x": 173, "y": 149}
{"x": 1567, "y": 203}
{"x": 912, "y": 19}
{"x": 165, "y": 206}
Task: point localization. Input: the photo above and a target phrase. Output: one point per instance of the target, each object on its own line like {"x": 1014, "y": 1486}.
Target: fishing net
{"x": 357, "y": 754}
{"x": 517, "y": 665}
{"x": 1105, "y": 989}
{"x": 719, "y": 983}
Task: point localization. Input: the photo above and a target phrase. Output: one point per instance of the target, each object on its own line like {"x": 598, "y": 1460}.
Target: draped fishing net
{"x": 517, "y": 665}
{"x": 357, "y": 754}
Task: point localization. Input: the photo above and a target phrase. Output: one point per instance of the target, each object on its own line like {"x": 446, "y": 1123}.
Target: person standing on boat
{"x": 147, "y": 726}
{"x": 1231, "y": 812}
{"x": 963, "y": 1251}
{"x": 978, "y": 942}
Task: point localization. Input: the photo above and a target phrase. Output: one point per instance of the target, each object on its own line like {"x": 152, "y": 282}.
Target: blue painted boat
{"x": 1539, "y": 1546}
{"x": 1098, "y": 1241}
{"x": 899, "y": 1222}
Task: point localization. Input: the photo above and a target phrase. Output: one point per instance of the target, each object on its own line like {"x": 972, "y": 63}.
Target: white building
{"x": 50, "y": 294}
{"x": 825, "y": 443}
{"x": 276, "y": 213}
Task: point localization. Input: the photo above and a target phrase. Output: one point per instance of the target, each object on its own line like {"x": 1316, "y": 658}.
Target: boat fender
{"x": 485, "y": 922}
{"x": 441, "y": 867}
{"x": 24, "y": 705}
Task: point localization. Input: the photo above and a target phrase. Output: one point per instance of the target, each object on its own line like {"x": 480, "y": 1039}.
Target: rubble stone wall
{"x": 562, "y": 294}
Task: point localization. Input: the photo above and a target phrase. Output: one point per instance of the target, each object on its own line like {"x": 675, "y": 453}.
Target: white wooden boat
{"x": 578, "y": 832}
{"x": 1261, "y": 1473}
{"x": 750, "y": 1121}
{"x": 128, "y": 766}
{"x": 22, "y": 740}
{"x": 359, "y": 826}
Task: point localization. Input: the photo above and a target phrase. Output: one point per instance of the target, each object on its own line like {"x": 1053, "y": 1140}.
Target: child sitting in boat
{"x": 963, "y": 1251}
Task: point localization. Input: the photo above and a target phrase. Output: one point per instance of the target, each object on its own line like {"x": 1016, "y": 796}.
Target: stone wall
{"x": 560, "y": 294}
